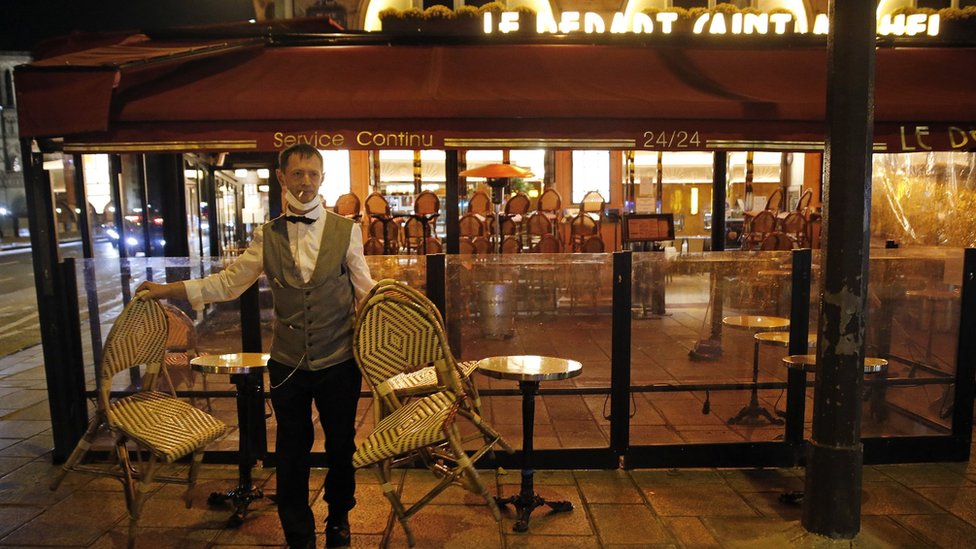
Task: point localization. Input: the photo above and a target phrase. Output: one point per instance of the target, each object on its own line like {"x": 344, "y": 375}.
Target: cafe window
{"x": 337, "y": 178}
{"x": 591, "y": 172}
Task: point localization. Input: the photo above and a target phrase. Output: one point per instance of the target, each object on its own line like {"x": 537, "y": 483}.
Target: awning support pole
{"x": 832, "y": 502}
{"x": 63, "y": 365}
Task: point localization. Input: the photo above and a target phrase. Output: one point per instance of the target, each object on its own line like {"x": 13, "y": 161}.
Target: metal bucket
{"x": 497, "y": 307}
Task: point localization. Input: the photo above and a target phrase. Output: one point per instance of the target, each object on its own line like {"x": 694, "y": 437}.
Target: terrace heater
{"x": 497, "y": 176}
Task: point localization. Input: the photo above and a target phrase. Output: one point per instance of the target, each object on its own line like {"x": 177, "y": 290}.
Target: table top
{"x": 782, "y": 339}
{"x": 808, "y": 363}
{"x": 230, "y": 363}
{"x": 757, "y": 323}
{"x": 529, "y": 368}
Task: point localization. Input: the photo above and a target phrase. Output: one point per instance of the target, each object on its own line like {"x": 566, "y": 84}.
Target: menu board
{"x": 648, "y": 227}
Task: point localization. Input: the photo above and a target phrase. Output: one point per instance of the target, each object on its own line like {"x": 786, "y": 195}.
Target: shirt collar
{"x": 315, "y": 212}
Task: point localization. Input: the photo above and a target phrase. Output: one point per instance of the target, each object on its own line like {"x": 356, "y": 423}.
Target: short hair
{"x": 303, "y": 150}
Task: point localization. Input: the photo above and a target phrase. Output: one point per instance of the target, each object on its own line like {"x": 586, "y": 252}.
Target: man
{"x": 314, "y": 263}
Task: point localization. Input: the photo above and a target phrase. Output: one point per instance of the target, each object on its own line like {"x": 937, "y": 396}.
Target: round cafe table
{"x": 754, "y": 413}
{"x": 244, "y": 370}
{"x": 529, "y": 371}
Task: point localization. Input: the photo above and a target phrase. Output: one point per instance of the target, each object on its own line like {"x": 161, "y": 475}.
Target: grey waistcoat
{"x": 313, "y": 320}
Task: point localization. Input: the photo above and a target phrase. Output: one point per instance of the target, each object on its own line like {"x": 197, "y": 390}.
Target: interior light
{"x": 264, "y": 188}
{"x": 264, "y": 173}
{"x": 240, "y": 172}
{"x": 694, "y": 201}
{"x": 189, "y": 174}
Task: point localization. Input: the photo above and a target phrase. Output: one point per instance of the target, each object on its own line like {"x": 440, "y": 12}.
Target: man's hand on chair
{"x": 154, "y": 290}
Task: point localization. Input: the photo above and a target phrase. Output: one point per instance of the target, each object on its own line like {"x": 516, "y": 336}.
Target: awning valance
{"x": 242, "y": 96}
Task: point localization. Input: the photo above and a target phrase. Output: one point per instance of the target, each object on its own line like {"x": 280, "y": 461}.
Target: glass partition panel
{"x": 556, "y": 305}
{"x": 693, "y": 352}
{"x": 913, "y": 322}
{"x": 408, "y": 269}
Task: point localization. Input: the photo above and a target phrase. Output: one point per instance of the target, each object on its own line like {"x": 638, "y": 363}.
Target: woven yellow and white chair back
{"x": 137, "y": 337}
{"x": 180, "y": 336}
{"x": 395, "y": 336}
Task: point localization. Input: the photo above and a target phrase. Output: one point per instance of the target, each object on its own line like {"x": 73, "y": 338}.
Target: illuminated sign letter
{"x": 755, "y": 23}
{"x": 779, "y": 21}
{"x": 508, "y": 22}
{"x": 700, "y": 24}
{"x": 718, "y": 24}
{"x": 593, "y": 23}
{"x": 619, "y": 23}
{"x": 821, "y": 25}
{"x": 666, "y": 19}
{"x": 569, "y": 22}
{"x": 642, "y": 23}
{"x": 915, "y": 23}
{"x": 736, "y": 23}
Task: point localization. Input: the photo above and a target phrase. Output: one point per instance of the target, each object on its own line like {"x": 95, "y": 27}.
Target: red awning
{"x": 223, "y": 96}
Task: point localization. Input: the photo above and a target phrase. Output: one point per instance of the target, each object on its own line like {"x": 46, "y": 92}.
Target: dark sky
{"x": 24, "y": 23}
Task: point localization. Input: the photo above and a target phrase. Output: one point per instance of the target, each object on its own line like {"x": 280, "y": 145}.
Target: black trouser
{"x": 335, "y": 392}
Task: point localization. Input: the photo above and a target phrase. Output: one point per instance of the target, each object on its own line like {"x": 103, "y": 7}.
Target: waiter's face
{"x": 302, "y": 176}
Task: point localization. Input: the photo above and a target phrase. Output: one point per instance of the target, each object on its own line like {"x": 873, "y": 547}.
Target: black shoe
{"x": 337, "y": 534}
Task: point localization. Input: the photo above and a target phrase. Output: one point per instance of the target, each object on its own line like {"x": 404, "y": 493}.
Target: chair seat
{"x": 175, "y": 359}
{"x": 418, "y": 424}
{"x": 425, "y": 379}
{"x": 169, "y": 427}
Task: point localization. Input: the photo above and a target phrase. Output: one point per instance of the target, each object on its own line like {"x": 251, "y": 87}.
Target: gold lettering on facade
{"x": 957, "y": 137}
{"x": 405, "y": 140}
{"x": 316, "y": 139}
{"x": 904, "y": 144}
{"x": 919, "y": 132}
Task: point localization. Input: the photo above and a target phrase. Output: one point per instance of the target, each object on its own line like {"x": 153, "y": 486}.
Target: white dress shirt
{"x": 304, "y": 241}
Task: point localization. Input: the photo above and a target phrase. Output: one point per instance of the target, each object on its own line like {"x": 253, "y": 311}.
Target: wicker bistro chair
{"x": 181, "y": 347}
{"x": 348, "y": 205}
{"x": 398, "y": 372}
{"x": 480, "y": 203}
{"x": 157, "y": 423}
{"x": 394, "y": 331}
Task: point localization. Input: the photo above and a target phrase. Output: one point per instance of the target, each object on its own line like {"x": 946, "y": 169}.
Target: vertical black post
{"x": 88, "y": 267}
{"x": 962, "y": 413}
{"x": 81, "y": 196}
{"x": 115, "y": 190}
{"x": 209, "y": 194}
{"x": 832, "y": 502}
{"x": 167, "y": 188}
{"x": 253, "y": 386}
{"x": 620, "y": 334}
{"x": 147, "y": 208}
{"x": 719, "y": 178}
{"x": 250, "y": 320}
{"x": 799, "y": 334}
{"x": 67, "y": 425}
{"x": 436, "y": 283}
{"x": 274, "y": 194}
{"x": 452, "y": 208}
{"x": 74, "y": 366}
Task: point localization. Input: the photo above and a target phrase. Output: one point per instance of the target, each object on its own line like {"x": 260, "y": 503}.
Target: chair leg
{"x": 389, "y": 490}
{"x": 470, "y": 473}
{"x": 191, "y": 480}
{"x": 128, "y": 475}
{"x": 79, "y": 452}
{"x": 142, "y": 488}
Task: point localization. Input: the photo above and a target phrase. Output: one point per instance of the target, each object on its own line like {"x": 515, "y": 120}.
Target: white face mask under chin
{"x": 297, "y": 204}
